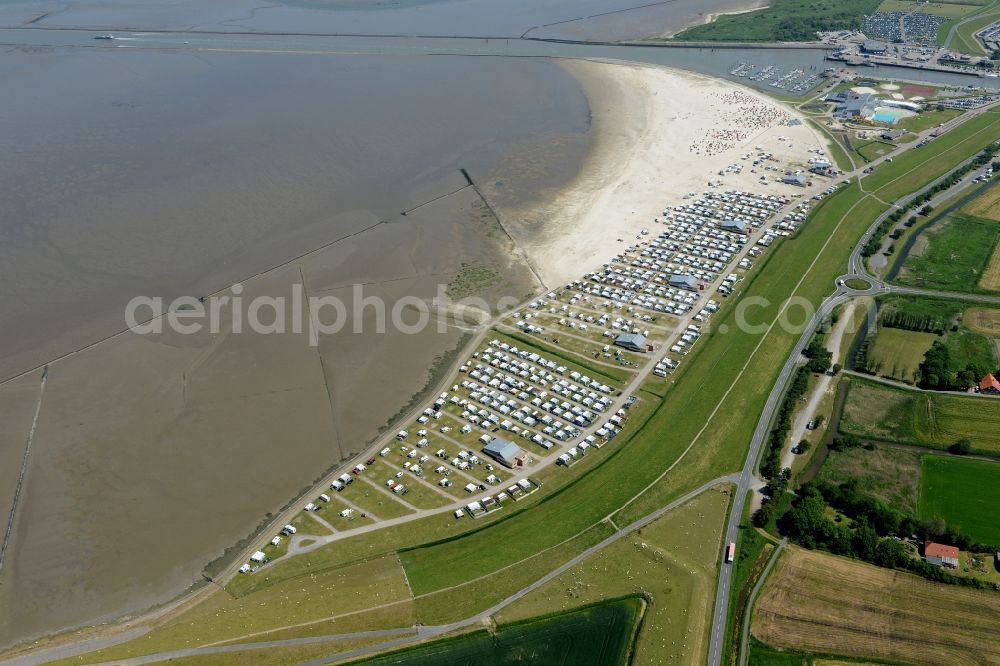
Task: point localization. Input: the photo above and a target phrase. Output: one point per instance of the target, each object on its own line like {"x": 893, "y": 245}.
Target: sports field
{"x": 913, "y": 90}
{"x": 831, "y": 605}
{"x": 963, "y": 492}
{"x": 897, "y": 353}
{"x": 599, "y": 634}
{"x": 916, "y": 417}
{"x": 951, "y": 255}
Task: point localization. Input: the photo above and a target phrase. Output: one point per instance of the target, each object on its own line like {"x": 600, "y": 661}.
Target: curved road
{"x": 841, "y": 294}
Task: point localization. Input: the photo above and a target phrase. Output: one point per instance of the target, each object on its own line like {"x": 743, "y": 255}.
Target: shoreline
{"x": 646, "y": 121}
{"x": 714, "y": 16}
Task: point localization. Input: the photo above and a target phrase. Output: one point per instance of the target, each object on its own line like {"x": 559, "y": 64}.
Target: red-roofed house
{"x": 989, "y": 384}
{"x": 941, "y": 555}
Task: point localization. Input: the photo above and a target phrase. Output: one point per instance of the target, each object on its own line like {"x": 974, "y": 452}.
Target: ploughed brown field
{"x": 822, "y": 603}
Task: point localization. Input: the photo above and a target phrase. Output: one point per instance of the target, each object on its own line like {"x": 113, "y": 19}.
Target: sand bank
{"x": 708, "y": 17}
{"x": 660, "y": 133}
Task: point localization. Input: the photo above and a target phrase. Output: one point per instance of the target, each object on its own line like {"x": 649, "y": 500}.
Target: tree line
{"x": 873, "y": 535}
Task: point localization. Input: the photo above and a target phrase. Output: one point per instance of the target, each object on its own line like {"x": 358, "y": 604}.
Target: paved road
{"x": 409, "y": 635}
{"x": 841, "y": 294}
{"x": 800, "y": 425}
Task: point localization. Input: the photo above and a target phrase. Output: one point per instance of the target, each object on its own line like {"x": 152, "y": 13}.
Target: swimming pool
{"x": 890, "y": 116}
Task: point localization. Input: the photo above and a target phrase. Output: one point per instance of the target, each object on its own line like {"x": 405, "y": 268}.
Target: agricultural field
{"x": 963, "y": 492}
{"x": 783, "y": 21}
{"x": 985, "y": 321}
{"x": 673, "y": 560}
{"x": 890, "y": 474}
{"x": 900, "y": 315}
{"x": 824, "y": 604}
{"x": 896, "y": 353}
{"x": 986, "y": 205}
{"x": 915, "y": 417}
{"x": 598, "y": 634}
{"x": 991, "y": 276}
{"x": 951, "y": 255}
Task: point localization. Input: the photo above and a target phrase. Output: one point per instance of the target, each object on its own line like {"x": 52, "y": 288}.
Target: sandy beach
{"x": 660, "y": 133}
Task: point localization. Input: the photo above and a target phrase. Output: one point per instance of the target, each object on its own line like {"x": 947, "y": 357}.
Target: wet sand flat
{"x": 561, "y": 19}
{"x": 154, "y": 454}
{"x": 18, "y": 404}
{"x": 173, "y": 175}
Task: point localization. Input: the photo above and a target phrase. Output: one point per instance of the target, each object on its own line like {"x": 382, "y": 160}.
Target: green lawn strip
{"x": 928, "y": 118}
{"x": 964, "y": 492}
{"x": 872, "y": 150}
{"x": 276, "y": 656}
{"x": 370, "y": 500}
{"x": 221, "y": 617}
{"x": 672, "y": 561}
{"x": 330, "y": 512}
{"x": 468, "y": 598}
{"x": 388, "y": 615}
{"x": 919, "y": 166}
{"x": 306, "y": 525}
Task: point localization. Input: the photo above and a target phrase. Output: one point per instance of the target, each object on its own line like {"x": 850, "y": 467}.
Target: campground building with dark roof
{"x": 632, "y": 341}
{"x": 505, "y": 452}
{"x": 684, "y": 281}
{"x": 734, "y": 226}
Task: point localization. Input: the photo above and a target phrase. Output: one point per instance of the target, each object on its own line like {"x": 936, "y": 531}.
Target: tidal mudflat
{"x": 162, "y": 174}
